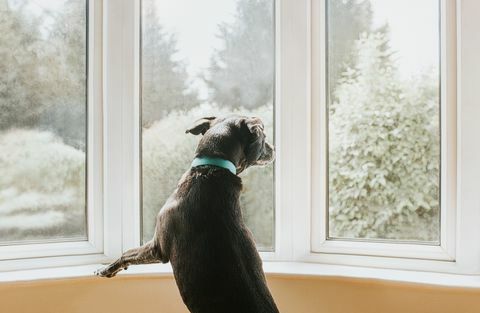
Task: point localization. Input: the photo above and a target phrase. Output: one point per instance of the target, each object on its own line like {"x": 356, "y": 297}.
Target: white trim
{"x": 320, "y": 241}
{"x": 48, "y": 249}
{"x": 114, "y": 102}
{"x": 279, "y": 241}
{"x": 468, "y": 111}
{"x": 448, "y": 98}
{"x": 95, "y": 129}
{"x": 319, "y": 172}
{"x": 131, "y": 130}
{"x": 292, "y": 123}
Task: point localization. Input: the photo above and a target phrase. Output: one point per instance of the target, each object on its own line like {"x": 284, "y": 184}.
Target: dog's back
{"x": 213, "y": 255}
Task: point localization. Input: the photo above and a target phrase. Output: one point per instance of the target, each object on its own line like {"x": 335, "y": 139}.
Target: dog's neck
{"x": 218, "y": 162}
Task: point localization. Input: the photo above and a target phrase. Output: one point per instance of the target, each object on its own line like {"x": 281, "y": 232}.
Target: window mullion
{"x": 114, "y": 102}
{"x": 468, "y": 153}
{"x": 131, "y": 125}
{"x": 293, "y": 129}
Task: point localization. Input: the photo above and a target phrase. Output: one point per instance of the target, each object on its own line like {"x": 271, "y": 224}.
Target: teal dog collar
{"x": 215, "y": 162}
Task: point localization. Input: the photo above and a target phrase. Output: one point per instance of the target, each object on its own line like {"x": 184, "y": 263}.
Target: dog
{"x": 200, "y": 230}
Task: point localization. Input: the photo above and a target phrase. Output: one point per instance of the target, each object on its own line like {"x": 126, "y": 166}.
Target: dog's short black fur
{"x": 200, "y": 228}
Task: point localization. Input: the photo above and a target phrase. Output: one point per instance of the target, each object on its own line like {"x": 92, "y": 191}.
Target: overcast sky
{"x": 414, "y": 26}
{"x": 415, "y": 35}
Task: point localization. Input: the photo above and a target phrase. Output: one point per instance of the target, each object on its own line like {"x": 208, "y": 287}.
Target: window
{"x": 201, "y": 59}
{"x": 43, "y": 121}
{"x": 385, "y": 132}
{"x": 51, "y": 189}
{"x": 383, "y": 120}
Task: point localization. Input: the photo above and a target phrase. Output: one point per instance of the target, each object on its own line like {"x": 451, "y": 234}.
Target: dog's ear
{"x": 255, "y": 126}
{"x": 256, "y": 146}
{"x": 201, "y": 126}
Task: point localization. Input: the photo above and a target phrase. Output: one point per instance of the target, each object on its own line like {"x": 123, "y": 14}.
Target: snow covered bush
{"x": 42, "y": 187}
{"x": 168, "y": 153}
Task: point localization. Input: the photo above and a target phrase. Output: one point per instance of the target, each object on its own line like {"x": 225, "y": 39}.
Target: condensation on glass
{"x": 43, "y": 121}
{"x": 204, "y": 58}
{"x": 383, "y": 120}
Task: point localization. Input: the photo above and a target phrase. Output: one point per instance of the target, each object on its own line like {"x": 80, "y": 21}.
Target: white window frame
{"x": 302, "y": 213}
{"x": 114, "y": 160}
{"x": 30, "y": 255}
{"x": 320, "y": 242}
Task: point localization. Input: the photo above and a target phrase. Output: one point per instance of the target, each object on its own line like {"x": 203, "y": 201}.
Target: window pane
{"x": 42, "y": 120}
{"x": 203, "y": 58}
{"x": 384, "y": 113}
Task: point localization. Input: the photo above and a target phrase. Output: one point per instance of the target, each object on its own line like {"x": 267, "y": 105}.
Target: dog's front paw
{"x": 107, "y": 272}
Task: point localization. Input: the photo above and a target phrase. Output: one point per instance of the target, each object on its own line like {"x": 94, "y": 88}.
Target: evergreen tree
{"x": 66, "y": 94}
{"x": 44, "y": 85}
{"x": 347, "y": 20}
{"x": 164, "y": 80}
{"x": 20, "y": 56}
{"x": 242, "y": 73}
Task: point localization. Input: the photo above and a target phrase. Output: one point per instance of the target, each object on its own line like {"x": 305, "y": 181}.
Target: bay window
{"x": 371, "y": 105}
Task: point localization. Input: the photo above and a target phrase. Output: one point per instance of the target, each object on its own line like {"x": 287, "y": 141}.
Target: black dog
{"x": 200, "y": 228}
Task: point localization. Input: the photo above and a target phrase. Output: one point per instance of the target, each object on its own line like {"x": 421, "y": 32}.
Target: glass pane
{"x": 42, "y": 120}
{"x": 384, "y": 113}
{"x": 203, "y": 58}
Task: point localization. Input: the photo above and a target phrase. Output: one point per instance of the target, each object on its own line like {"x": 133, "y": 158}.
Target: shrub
{"x": 42, "y": 187}
{"x": 384, "y": 151}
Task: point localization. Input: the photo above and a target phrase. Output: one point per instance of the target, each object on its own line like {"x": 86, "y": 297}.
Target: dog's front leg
{"x": 145, "y": 254}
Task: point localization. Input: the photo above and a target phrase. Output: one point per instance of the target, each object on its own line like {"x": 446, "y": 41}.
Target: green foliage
{"x": 242, "y": 73}
{"x": 384, "y": 150}
{"x": 168, "y": 153}
{"x": 165, "y": 85}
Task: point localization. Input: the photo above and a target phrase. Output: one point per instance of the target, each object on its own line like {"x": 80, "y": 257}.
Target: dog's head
{"x": 239, "y": 139}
